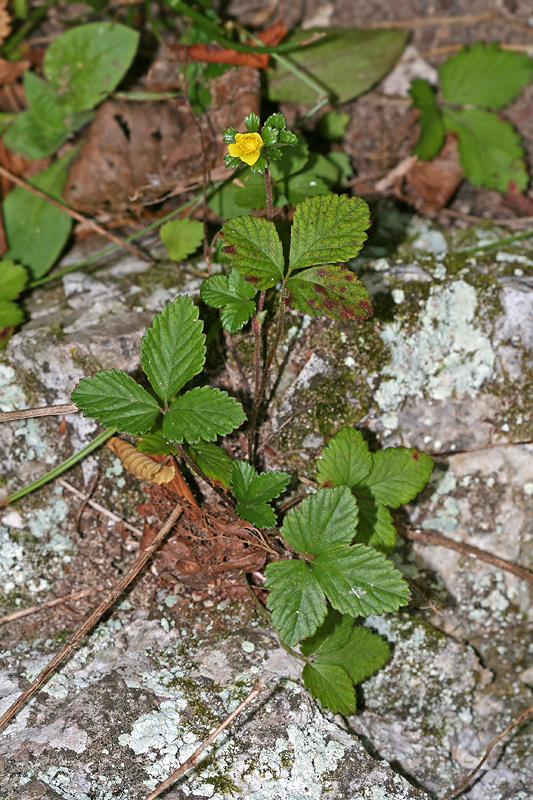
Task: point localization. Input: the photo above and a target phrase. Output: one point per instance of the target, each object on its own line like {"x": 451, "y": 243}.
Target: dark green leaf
{"x": 88, "y": 61}
{"x": 13, "y": 279}
{"x": 228, "y": 135}
{"x": 334, "y": 291}
{"x": 37, "y": 231}
{"x": 117, "y": 401}
{"x": 376, "y": 527}
{"x": 489, "y": 149}
{"x": 173, "y": 349}
{"x": 225, "y": 201}
{"x": 251, "y": 122}
{"x": 398, "y": 474}
{"x": 303, "y": 185}
{"x": 10, "y": 314}
{"x": 181, "y": 237}
{"x": 276, "y": 121}
{"x": 288, "y": 138}
{"x": 328, "y": 229}
{"x": 201, "y": 415}
{"x": 324, "y": 522}
{"x": 232, "y": 162}
{"x": 292, "y": 162}
{"x": 154, "y": 443}
{"x": 345, "y": 61}
{"x": 234, "y": 295}
{"x": 331, "y": 686}
{"x": 484, "y": 75}
{"x": 254, "y": 491}
{"x": 296, "y": 600}
{"x": 346, "y": 460}
{"x": 333, "y": 124}
{"x": 269, "y": 135}
{"x": 252, "y": 192}
{"x": 429, "y": 118}
{"x": 255, "y": 250}
{"x": 260, "y": 165}
{"x": 212, "y": 460}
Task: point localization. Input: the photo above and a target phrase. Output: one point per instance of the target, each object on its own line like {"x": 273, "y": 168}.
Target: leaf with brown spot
{"x": 330, "y": 290}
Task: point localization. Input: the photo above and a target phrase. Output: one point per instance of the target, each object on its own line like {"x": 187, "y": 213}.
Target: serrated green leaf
{"x": 254, "y": 491}
{"x": 277, "y": 121}
{"x": 327, "y": 229}
{"x": 324, "y": 521}
{"x": 228, "y": 135}
{"x": 269, "y": 135}
{"x": 232, "y": 162}
{"x": 288, "y": 138}
{"x": 234, "y": 295}
{"x": 333, "y": 124}
{"x": 296, "y": 600}
{"x": 334, "y": 291}
{"x": 345, "y": 61}
{"x": 489, "y": 149}
{"x": 376, "y": 526}
{"x": 13, "y": 279}
{"x": 87, "y": 62}
{"x": 251, "y": 122}
{"x": 116, "y": 400}
{"x": 10, "y": 314}
{"x": 331, "y": 686}
{"x": 201, "y": 415}
{"x": 260, "y": 165}
{"x": 398, "y": 474}
{"x": 484, "y": 75}
{"x": 346, "y": 460}
{"x": 213, "y": 460}
{"x": 429, "y": 118}
{"x": 181, "y": 237}
{"x": 255, "y": 250}
{"x": 173, "y": 349}
{"x": 36, "y": 231}
{"x": 358, "y": 580}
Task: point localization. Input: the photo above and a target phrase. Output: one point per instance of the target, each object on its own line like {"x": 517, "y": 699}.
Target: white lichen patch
{"x": 445, "y": 355}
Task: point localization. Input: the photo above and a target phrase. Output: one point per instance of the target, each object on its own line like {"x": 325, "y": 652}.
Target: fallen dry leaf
{"x": 217, "y": 54}
{"x": 436, "y": 181}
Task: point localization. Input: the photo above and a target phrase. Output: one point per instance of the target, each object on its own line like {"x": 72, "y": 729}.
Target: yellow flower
{"x": 247, "y": 147}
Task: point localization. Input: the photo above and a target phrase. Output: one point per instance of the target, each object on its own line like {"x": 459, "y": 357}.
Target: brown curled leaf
{"x": 139, "y": 464}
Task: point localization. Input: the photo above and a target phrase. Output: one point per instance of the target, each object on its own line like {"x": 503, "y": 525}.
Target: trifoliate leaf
{"x": 255, "y": 250}
{"x": 323, "y": 522}
{"x": 10, "y": 314}
{"x": 13, "y": 279}
{"x": 181, "y": 237}
{"x": 398, "y": 474}
{"x": 117, "y": 401}
{"x": 296, "y": 600}
{"x": 376, "y": 526}
{"x": 429, "y": 118}
{"x": 234, "y": 295}
{"x": 173, "y": 349}
{"x": 339, "y": 643}
{"x": 212, "y": 460}
{"x": 346, "y": 460}
{"x": 331, "y": 686}
{"x": 485, "y": 76}
{"x": 251, "y": 122}
{"x": 201, "y": 415}
{"x": 253, "y": 492}
{"x": 331, "y": 290}
{"x": 489, "y": 149}
{"x": 328, "y": 229}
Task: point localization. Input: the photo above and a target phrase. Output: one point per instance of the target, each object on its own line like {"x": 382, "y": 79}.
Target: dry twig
{"x": 101, "y": 510}
{"x": 44, "y": 411}
{"x": 97, "y": 614}
{"x": 24, "y": 612}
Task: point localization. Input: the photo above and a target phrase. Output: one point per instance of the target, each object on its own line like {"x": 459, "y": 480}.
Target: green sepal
{"x": 232, "y": 162}
{"x": 260, "y": 165}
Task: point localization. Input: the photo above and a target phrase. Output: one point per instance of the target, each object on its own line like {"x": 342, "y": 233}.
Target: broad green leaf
{"x": 181, "y": 237}
{"x": 328, "y": 229}
{"x": 116, "y": 400}
{"x": 323, "y": 522}
{"x": 213, "y": 460}
{"x": 333, "y": 169}
{"x": 346, "y": 460}
{"x": 154, "y": 443}
{"x": 296, "y": 600}
{"x": 39, "y": 132}
{"x": 429, "y": 118}
{"x": 252, "y": 192}
{"x": 10, "y": 314}
{"x": 255, "y": 250}
{"x": 36, "y": 231}
{"x": 225, "y": 201}
{"x": 343, "y": 163}
{"x": 345, "y": 61}
{"x": 201, "y": 415}
{"x": 334, "y": 291}
{"x": 303, "y": 185}
{"x": 331, "y": 686}
{"x": 358, "y": 580}
{"x": 398, "y": 474}
{"x": 87, "y": 62}
{"x": 376, "y": 526}
{"x": 333, "y": 124}
{"x": 489, "y": 149}
{"x": 173, "y": 349}
{"x": 13, "y": 279}
{"x": 253, "y": 492}
{"x": 484, "y": 75}
{"x": 234, "y": 295}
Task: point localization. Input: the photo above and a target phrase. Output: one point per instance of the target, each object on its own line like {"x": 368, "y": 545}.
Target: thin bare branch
{"x": 43, "y": 411}
{"x": 436, "y": 538}
{"x": 487, "y": 753}
{"x": 192, "y": 760}
{"x": 76, "y": 215}
{"x": 24, "y": 612}
{"x": 89, "y": 624}
{"x": 101, "y": 509}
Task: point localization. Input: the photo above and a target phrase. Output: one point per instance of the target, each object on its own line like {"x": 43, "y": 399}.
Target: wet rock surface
{"x": 446, "y": 366}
